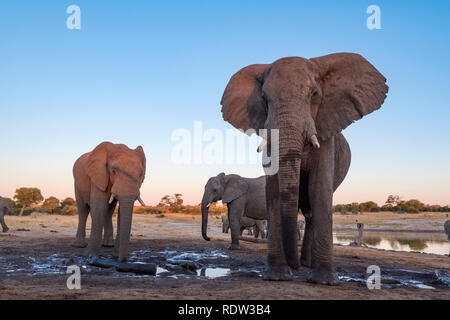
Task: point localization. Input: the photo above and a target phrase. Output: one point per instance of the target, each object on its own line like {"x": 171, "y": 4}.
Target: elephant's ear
{"x": 96, "y": 166}
{"x": 242, "y": 103}
{"x": 140, "y": 151}
{"x": 235, "y": 187}
{"x": 351, "y": 89}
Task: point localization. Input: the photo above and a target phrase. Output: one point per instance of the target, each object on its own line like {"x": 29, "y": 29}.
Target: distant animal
{"x": 358, "y": 241}
{"x": 4, "y": 208}
{"x": 244, "y": 197}
{"x": 300, "y": 226}
{"x": 225, "y": 224}
{"x": 447, "y": 228}
{"x": 109, "y": 174}
{"x": 260, "y": 230}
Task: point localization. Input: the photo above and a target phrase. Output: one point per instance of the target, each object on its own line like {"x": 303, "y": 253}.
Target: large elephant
{"x": 109, "y": 174}
{"x": 309, "y": 102}
{"x": 244, "y": 197}
{"x": 4, "y": 207}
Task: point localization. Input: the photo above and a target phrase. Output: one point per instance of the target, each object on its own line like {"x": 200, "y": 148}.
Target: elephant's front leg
{"x": 277, "y": 267}
{"x": 108, "y": 236}
{"x": 99, "y": 208}
{"x": 235, "y": 212}
{"x": 320, "y": 190}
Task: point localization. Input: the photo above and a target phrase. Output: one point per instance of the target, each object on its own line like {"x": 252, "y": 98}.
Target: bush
{"x": 69, "y": 210}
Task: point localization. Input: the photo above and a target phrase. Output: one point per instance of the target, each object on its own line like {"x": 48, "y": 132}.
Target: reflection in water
{"x": 399, "y": 241}
{"x": 213, "y": 272}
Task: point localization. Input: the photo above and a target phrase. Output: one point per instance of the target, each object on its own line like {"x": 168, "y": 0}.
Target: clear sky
{"x": 138, "y": 70}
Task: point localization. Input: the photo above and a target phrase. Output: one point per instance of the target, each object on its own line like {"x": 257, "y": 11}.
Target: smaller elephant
{"x": 300, "y": 227}
{"x": 251, "y": 225}
{"x": 4, "y": 207}
{"x": 110, "y": 174}
{"x": 257, "y": 225}
{"x": 260, "y": 229}
{"x": 225, "y": 224}
{"x": 244, "y": 197}
{"x": 447, "y": 228}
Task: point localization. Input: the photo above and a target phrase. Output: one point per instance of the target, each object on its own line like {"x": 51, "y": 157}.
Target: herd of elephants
{"x": 309, "y": 102}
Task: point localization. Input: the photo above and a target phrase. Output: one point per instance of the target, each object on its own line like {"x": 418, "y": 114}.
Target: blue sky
{"x": 138, "y": 70}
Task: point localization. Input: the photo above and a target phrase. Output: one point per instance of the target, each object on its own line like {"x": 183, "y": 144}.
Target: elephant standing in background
{"x": 4, "y": 207}
{"x": 109, "y": 174}
{"x": 447, "y": 228}
{"x": 244, "y": 197}
{"x": 308, "y": 102}
{"x": 225, "y": 224}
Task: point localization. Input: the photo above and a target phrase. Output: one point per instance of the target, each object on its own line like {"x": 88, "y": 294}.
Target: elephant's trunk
{"x": 126, "y": 215}
{"x": 205, "y": 211}
{"x": 291, "y": 144}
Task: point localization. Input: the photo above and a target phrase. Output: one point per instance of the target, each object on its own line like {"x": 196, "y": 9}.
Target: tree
{"x": 413, "y": 206}
{"x": 392, "y": 200}
{"x": 50, "y": 204}
{"x": 26, "y": 197}
{"x": 68, "y": 202}
{"x": 368, "y": 206}
{"x": 178, "y": 201}
{"x": 165, "y": 201}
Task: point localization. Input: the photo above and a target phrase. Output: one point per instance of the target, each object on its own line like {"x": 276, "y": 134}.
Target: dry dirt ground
{"x": 35, "y": 253}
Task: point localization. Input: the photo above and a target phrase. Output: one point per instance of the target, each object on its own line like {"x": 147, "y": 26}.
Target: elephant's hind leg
{"x": 80, "y": 240}
{"x": 2, "y": 220}
{"x": 108, "y": 235}
{"x": 235, "y": 212}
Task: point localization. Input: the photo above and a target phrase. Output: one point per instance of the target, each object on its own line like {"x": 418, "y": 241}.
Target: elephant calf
{"x": 244, "y": 197}
{"x": 4, "y": 207}
{"x": 110, "y": 174}
{"x": 255, "y": 227}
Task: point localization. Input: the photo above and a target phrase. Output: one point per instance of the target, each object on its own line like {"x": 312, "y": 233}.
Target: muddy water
{"x": 398, "y": 241}
{"x": 202, "y": 264}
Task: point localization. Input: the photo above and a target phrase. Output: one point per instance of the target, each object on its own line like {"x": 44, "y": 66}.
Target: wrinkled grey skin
{"x": 447, "y": 228}
{"x": 244, "y": 197}
{"x": 309, "y": 102}
{"x": 4, "y": 207}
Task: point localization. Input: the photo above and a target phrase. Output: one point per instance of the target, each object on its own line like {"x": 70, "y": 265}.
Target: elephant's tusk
{"x": 262, "y": 146}
{"x": 141, "y": 202}
{"x": 315, "y": 142}
{"x": 112, "y": 198}
{"x": 208, "y": 205}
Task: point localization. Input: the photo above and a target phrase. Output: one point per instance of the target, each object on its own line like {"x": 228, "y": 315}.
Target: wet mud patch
{"x": 171, "y": 262}
{"x": 205, "y": 263}
{"x": 395, "y": 278}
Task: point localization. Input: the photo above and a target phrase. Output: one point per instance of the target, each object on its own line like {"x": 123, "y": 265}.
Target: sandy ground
{"x": 33, "y": 263}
